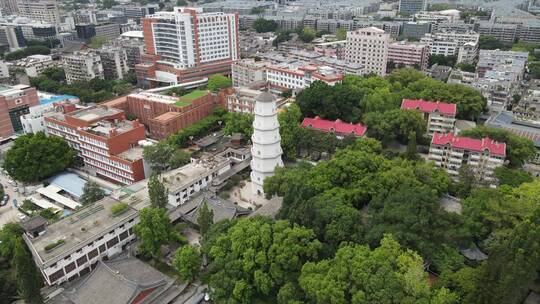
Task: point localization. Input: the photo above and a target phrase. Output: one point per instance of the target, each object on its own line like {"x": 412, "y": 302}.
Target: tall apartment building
{"x": 187, "y": 45}
{"x": 409, "y": 54}
{"x": 11, "y": 38}
{"x": 82, "y": 66}
{"x": 368, "y": 47}
{"x": 468, "y": 53}
{"x": 450, "y": 152}
{"x": 448, "y": 43}
{"x": 106, "y": 141}
{"x": 440, "y": 116}
{"x": 504, "y": 32}
{"x": 9, "y": 7}
{"x": 114, "y": 61}
{"x": 134, "y": 50}
{"x": 33, "y": 65}
{"x": 15, "y": 102}
{"x": 246, "y": 71}
{"x": 412, "y": 6}
{"x": 40, "y": 10}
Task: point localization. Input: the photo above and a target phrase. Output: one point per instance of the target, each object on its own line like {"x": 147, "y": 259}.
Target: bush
{"x": 51, "y": 246}
{"x": 119, "y": 208}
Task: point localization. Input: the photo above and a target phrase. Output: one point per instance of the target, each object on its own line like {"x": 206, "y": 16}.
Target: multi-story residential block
{"x": 242, "y": 100}
{"x": 9, "y": 7}
{"x": 433, "y": 17}
{"x": 339, "y": 128}
{"x": 448, "y": 43}
{"x": 11, "y": 37}
{"x": 107, "y": 30}
{"x": 164, "y": 115}
{"x": 296, "y": 78}
{"x": 39, "y": 10}
{"x": 82, "y": 66}
{"x": 412, "y": 6}
{"x": 34, "y": 121}
{"x": 187, "y": 45}
{"x": 246, "y": 71}
{"x": 72, "y": 246}
{"x": 33, "y": 65}
{"x": 106, "y": 141}
{"x": 440, "y": 116}
{"x": 114, "y": 61}
{"x": 450, "y": 152}
{"x": 333, "y": 49}
{"x": 368, "y": 47}
{"x": 134, "y": 50}
{"x": 468, "y": 53}
{"x": 416, "y": 30}
{"x": 504, "y": 32}
{"x": 15, "y": 102}
{"x": 409, "y": 54}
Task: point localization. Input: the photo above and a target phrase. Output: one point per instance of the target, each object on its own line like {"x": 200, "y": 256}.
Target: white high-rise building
{"x": 39, "y": 10}
{"x": 368, "y": 47}
{"x": 266, "y": 151}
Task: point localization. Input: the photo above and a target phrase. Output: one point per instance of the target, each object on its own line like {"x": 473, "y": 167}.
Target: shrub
{"x": 119, "y": 208}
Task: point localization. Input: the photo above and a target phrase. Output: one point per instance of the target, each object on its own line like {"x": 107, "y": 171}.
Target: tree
{"x": 27, "y": 276}
{"x": 54, "y": 73}
{"x": 34, "y": 157}
{"x": 97, "y": 42}
{"x": 239, "y": 123}
{"x": 217, "y": 82}
{"x": 178, "y": 159}
{"x": 181, "y": 3}
{"x": 107, "y": 4}
{"x": 154, "y": 230}
{"x": 187, "y": 262}
{"x": 466, "y": 67}
{"x": 256, "y": 257}
{"x": 492, "y": 43}
{"x": 442, "y": 60}
{"x": 518, "y": 149}
{"x": 512, "y": 177}
{"x": 92, "y": 193}
{"x": 205, "y": 218}
{"x": 341, "y": 34}
{"x": 261, "y": 25}
{"x": 158, "y": 155}
{"x": 157, "y": 192}
{"x": 289, "y": 130}
{"x": 411, "y": 146}
{"x": 395, "y": 125}
{"x": 467, "y": 179}
{"x": 307, "y": 34}
{"x": 357, "y": 274}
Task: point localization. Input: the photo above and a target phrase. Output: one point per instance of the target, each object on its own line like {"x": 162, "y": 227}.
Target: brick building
{"x": 107, "y": 142}
{"x": 15, "y": 102}
{"x": 338, "y": 127}
{"x": 409, "y": 54}
{"x": 164, "y": 115}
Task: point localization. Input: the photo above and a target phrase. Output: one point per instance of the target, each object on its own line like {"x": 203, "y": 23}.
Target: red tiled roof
{"x": 429, "y": 106}
{"x": 467, "y": 143}
{"x": 336, "y": 126}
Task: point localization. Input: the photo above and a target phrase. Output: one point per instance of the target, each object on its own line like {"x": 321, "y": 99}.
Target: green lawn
{"x": 188, "y": 98}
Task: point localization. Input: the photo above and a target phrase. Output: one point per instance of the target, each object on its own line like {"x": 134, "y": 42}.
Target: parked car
{"x": 5, "y": 200}
{"x": 21, "y": 216}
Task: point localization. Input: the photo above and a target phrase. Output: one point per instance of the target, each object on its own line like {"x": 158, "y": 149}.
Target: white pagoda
{"x": 266, "y": 151}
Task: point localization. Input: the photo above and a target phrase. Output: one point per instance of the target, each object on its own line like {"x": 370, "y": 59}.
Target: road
{"x": 8, "y": 213}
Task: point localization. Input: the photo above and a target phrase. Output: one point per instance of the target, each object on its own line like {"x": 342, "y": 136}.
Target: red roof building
{"x": 450, "y": 152}
{"x": 440, "y": 116}
{"x": 339, "y": 127}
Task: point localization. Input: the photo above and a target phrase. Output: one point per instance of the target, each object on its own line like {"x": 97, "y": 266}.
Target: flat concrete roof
{"x": 78, "y": 228}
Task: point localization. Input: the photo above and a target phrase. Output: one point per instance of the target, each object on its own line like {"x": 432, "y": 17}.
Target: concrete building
{"x": 107, "y": 30}
{"x": 415, "y": 30}
{"x": 246, "y": 71}
{"x": 15, "y": 101}
{"x": 134, "y": 49}
{"x": 82, "y": 66}
{"x": 412, "y": 6}
{"x": 114, "y": 61}
{"x": 409, "y": 54}
{"x": 11, "y": 38}
{"x": 33, "y": 65}
{"x": 368, "y": 47}
{"x": 450, "y": 152}
{"x": 9, "y": 7}
{"x": 448, "y": 43}
{"x": 34, "y": 121}
{"x": 164, "y": 115}
{"x": 266, "y": 150}
{"x": 440, "y": 116}
{"x": 468, "y": 53}
{"x": 71, "y": 247}
{"x": 107, "y": 142}
{"x": 187, "y": 45}
{"x": 39, "y": 10}
{"x": 296, "y": 77}
{"x": 502, "y": 31}
{"x": 434, "y": 17}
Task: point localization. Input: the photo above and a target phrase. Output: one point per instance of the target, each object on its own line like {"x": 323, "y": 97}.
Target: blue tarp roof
{"x": 69, "y": 182}
{"x": 56, "y": 99}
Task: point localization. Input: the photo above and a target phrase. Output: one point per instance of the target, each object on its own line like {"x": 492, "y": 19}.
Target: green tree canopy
{"x": 28, "y": 278}
{"x": 357, "y": 274}
{"x": 157, "y": 192}
{"x": 34, "y": 157}
{"x": 307, "y": 34}
{"x": 239, "y": 123}
{"x": 92, "y": 193}
{"x": 341, "y": 34}
{"x": 218, "y": 81}
{"x": 256, "y": 257}
{"x": 187, "y": 262}
{"x": 154, "y": 230}
{"x": 518, "y": 149}
{"x": 205, "y": 218}
{"x": 512, "y": 177}
{"x": 289, "y": 130}
{"x": 262, "y": 25}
